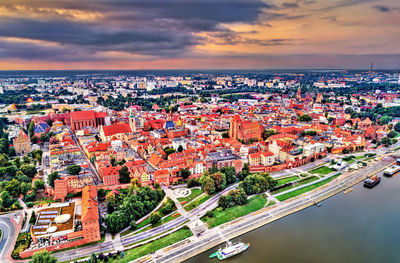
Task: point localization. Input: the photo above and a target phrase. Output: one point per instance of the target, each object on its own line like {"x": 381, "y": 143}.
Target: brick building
{"x": 244, "y": 130}
{"x": 81, "y": 119}
{"x": 22, "y": 143}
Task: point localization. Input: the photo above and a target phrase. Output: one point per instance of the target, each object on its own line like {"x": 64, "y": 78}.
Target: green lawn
{"x": 153, "y": 246}
{"x": 306, "y": 189}
{"x": 222, "y": 216}
{"x": 195, "y": 193}
{"x": 352, "y": 158}
{"x": 323, "y": 170}
{"x": 196, "y": 202}
{"x": 302, "y": 181}
{"x": 287, "y": 180}
{"x": 171, "y": 217}
{"x": 143, "y": 223}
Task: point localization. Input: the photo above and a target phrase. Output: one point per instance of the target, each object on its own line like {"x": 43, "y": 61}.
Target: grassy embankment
{"x": 306, "y": 189}
{"x": 137, "y": 252}
{"x": 221, "y": 216}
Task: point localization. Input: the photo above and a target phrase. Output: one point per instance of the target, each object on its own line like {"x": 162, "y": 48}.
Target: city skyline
{"x": 174, "y": 34}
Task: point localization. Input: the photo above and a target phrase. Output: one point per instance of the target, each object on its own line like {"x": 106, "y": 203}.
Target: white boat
{"x": 391, "y": 170}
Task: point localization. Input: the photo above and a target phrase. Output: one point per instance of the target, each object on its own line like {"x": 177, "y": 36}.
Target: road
{"x": 9, "y": 233}
{"x": 96, "y": 177}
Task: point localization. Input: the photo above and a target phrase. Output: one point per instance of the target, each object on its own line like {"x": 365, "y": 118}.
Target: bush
{"x": 155, "y": 218}
{"x": 209, "y": 213}
{"x": 193, "y": 183}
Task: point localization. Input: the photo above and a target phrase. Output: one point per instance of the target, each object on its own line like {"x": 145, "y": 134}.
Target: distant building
{"x": 22, "y": 143}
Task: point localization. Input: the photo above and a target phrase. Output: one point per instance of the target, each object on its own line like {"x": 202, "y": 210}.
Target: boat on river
{"x": 230, "y": 250}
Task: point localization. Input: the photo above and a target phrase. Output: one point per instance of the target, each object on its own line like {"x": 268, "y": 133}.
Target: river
{"x": 360, "y": 226}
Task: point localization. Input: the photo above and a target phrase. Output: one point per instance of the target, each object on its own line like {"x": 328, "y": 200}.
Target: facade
{"x": 22, "y": 143}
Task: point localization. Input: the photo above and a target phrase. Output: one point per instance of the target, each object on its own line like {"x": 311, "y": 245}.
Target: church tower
{"x": 132, "y": 121}
{"x": 298, "y": 94}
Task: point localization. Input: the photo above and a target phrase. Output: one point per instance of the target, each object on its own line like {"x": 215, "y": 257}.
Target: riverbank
{"x": 265, "y": 216}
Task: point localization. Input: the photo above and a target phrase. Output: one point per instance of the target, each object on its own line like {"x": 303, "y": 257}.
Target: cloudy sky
{"x": 199, "y": 34}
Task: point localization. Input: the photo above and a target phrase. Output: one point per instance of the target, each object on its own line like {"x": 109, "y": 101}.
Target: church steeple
{"x": 132, "y": 121}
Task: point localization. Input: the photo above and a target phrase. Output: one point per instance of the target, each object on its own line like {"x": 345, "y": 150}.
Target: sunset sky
{"x": 198, "y": 34}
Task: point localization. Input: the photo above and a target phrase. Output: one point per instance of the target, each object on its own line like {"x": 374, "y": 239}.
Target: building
{"x": 244, "y": 130}
{"x": 110, "y": 175}
{"x": 81, "y": 119}
{"x": 115, "y": 131}
{"x": 90, "y": 214}
{"x": 22, "y": 143}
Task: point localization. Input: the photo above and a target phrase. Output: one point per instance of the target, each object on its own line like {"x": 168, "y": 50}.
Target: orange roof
{"x": 154, "y": 159}
{"x": 90, "y": 210}
{"x": 161, "y": 173}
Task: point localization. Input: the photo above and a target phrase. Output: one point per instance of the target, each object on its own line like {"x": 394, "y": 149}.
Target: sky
{"x": 199, "y": 34}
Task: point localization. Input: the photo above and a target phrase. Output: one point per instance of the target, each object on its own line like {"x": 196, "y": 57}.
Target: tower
{"x": 132, "y": 121}
{"x": 298, "y": 94}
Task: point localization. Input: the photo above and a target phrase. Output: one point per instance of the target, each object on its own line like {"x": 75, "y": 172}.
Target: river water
{"x": 360, "y": 226}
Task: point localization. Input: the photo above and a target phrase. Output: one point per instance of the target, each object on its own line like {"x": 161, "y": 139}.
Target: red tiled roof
{"x": 116, "y": 129}
{"x": 90, "y": 210}
{"x": 82, "y": 115}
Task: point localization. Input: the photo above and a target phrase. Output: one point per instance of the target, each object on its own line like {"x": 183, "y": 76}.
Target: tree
{"x": 230, "y": 174}
{"x": 74, "y": 169}
{"x": 101, "y": 193}
{"x": 385, "y": 119}
{"x": 12, "y": 152}
{"x": 52, "y": 177}
{"x": 17, "y": 162}
{"x": 245, "y": 172}
{"x": 392, "y": 134}
{"x": 39, "y": 184}
{"x": 113, "y": 162}
{"x": 397, "y": 127}
{"x": 169, "y": 151}
{"x": 193, "y": 182}
{"x": 5, "y": 199}
{"x": 184, "y": 173}
{"x": 30, "y": 129}
{"x": 29, "y": 170}
{"x": 93, "y": 258}
{"x": 4, "y": 146}
{"x": 268, "y": 133}
{"x": 26, "y": 160}
{"x": 4, "y": 160}
{"x": 180, "y": 148}
{"x": 208, "y": 185}
{"x": 304, "y": 118}
{"x": 219, "y": 180}
{"x": 257, "y": 183}
{"x": 155, "y": 218}
{"x": 43, "y": 257}
{"x": 116, "y": 221}
{"x": 124, "y": 175}
{"x": 225, "y": 135}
